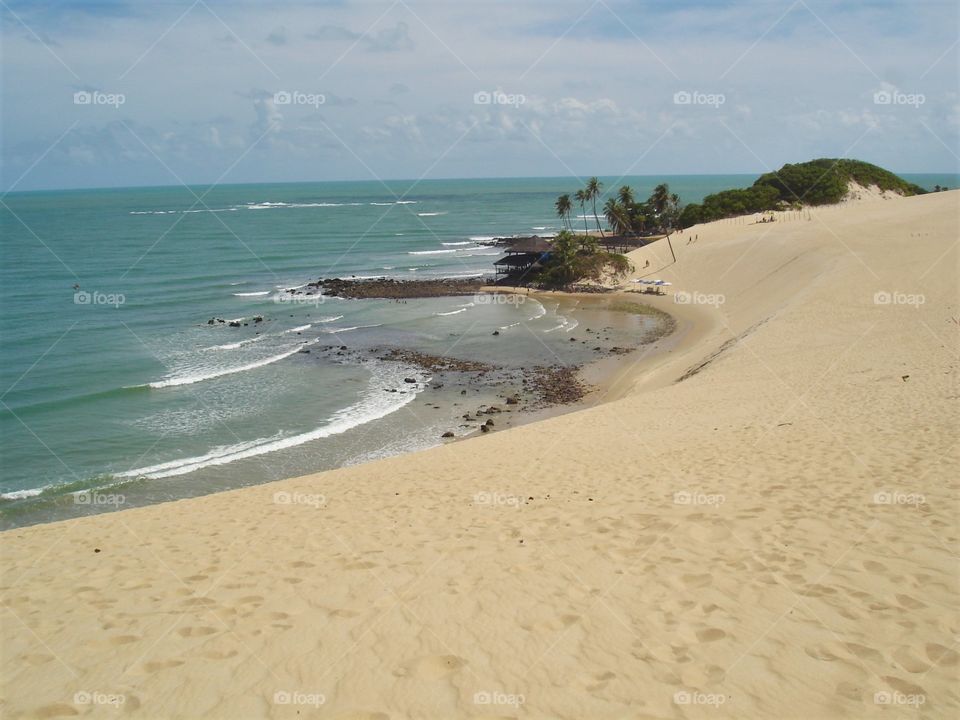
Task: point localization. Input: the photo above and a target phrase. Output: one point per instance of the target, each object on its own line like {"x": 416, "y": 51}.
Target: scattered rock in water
{"x": 485, "y": 428}
{"x": 489, "y": 423}
{"x": 395, "y": 289}
{"x": 409, "y": 380}
{"x": 234, "y": 323}
{"x": 447, "y": 434}
{"x": 513, "y": 400}
{"x": 495, "y": 332}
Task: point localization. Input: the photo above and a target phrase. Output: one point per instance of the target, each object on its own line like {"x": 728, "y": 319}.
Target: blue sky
{"x": 115, "y": 93}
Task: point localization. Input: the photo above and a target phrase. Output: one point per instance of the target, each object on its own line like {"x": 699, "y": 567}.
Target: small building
{"x": 522, "y": 256}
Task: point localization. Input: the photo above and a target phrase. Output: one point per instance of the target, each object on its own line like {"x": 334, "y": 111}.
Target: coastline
{"x": 554, "y": 561}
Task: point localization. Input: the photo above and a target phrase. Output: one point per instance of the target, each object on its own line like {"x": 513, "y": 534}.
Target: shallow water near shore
{"x": 121, "y": 386}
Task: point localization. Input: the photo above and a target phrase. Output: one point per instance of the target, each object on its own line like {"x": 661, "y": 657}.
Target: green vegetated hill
{"x": 817, "y": 182}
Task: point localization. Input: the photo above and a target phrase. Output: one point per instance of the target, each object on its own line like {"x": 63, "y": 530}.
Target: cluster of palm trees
{"x": 587, "y": 194}
{"x": 623, "y": 213}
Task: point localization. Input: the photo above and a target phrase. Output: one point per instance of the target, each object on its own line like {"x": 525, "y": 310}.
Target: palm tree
{"x": 581, "y": 197}
{"x": 592, "y": 192}
{"x": 660, "y": 198}
{"x": 626, "y": 196}
{"x": 563, "y": 206}
{"x": 617, "y": 216}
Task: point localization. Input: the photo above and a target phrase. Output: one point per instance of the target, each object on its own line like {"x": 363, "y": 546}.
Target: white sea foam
{"x": 465, "y": 242}
{"x": 374, "y": 405}
{"x": 252, "y": 294}
{"x": 329, "y": 319}
{"x": 239, "y": 344}
{"x": 430, "y": 214}
{"x": 333, "y": 331}
{"x": 210, "y": 375}
{"x": 301, "y": 328}
{"x": 21, "y": 494}
{"x": 541, "y": 311}
{"x": 452, "y": 312}
{"x": 430, "y": 252}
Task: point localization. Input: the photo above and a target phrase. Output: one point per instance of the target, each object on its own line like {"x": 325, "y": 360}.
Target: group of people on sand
{"x": 766, "y": 219}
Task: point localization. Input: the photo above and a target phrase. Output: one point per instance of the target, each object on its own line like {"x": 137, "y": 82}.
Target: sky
{"x": 111, "y": 93}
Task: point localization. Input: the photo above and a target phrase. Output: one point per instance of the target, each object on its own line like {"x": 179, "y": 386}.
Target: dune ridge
{"x": 763, "y": 524}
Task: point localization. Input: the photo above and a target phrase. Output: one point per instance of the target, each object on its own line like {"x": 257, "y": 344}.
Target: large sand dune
{"x": 774, "y": 536}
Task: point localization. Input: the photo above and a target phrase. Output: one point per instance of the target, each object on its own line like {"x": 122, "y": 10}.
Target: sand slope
{"x": 711, "y": 548}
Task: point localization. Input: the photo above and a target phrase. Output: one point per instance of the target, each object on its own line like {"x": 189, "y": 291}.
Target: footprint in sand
{"x": 55, "y": 710}
{"x": 123, "y": 639}
{"x": 195, "y": 631}
{"x": 909, "y": 602}
{"x": 36, "y": 658}
{"x": 157, "y": 665}
{"x": 863, "y": 652}
{"x": 710, "y": 634}
{"x": 820, "y": 652}
{"x": 909, "y": 662}
{"x": 431, "y": 667}
{"x": 942, "y": 656}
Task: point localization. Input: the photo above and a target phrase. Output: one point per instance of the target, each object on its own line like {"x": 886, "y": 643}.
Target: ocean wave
{"x": 375, "y": 404}
{"x": 201, "y": 376}
{"x": 280, "y": 205}
{"x": 252, "y": 294}
{"x": 540, "y": 312}
{"x": 239, "y": 344}
{"x": 430, "y": 252}
{"x": 21, "y": 494}
{"x": 430, "y": 214}
{"x": 334, "y": 331}
{"x": 452, "y": 312}
{"x": 329, "y": 319}
{"x": 465, "y": 242}
{"x": 301, "y": 328}
{"x": 507, "y": 327}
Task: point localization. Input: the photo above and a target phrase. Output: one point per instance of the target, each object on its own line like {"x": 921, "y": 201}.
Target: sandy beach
{"x": 755, "y": 520}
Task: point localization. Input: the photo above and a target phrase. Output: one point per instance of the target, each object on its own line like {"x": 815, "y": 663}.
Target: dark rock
{"x": 485, "y": 428}
{"x": 513, "y": 400}
{"x": 495, "y": 332}
{"x": 489, "y": 423}
{"x": 447, "y": 434}
{"x": 234, "y": 323}
{"x": 409, "y": 380}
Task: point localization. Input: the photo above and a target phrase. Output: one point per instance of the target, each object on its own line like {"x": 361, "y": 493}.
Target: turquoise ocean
{"x": 113, "y": 381}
